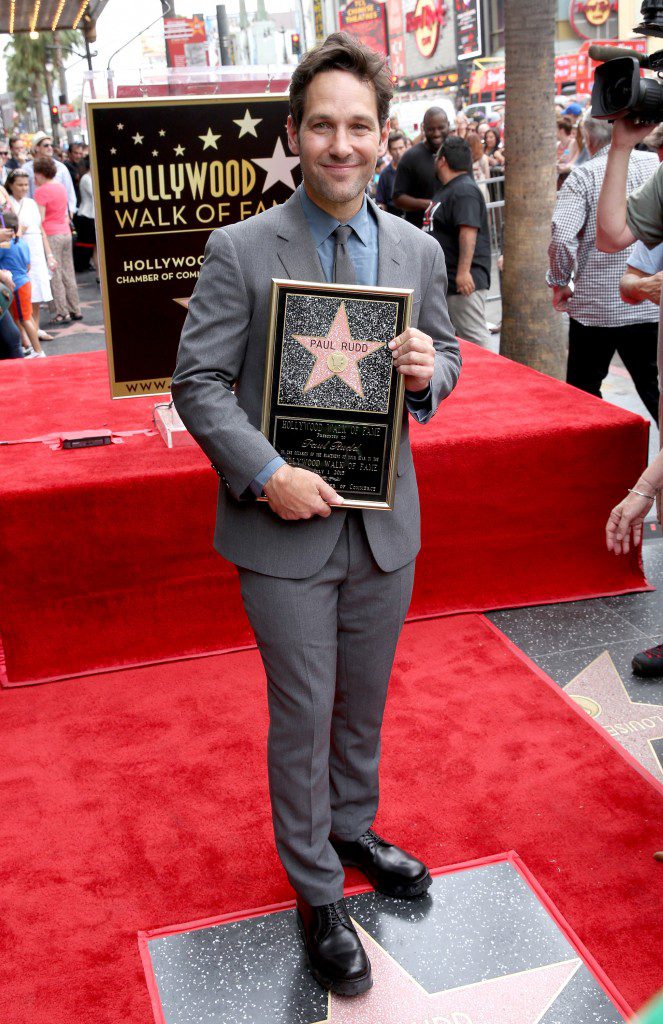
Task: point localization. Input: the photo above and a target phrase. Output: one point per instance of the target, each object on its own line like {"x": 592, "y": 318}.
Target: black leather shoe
{"x": 335, "y": 954}
{"x": 389, "y": 869}
{"x": 649, "y": 662}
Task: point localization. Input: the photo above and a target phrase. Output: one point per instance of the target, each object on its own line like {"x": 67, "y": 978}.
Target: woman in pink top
{"x": 51, "y": 198}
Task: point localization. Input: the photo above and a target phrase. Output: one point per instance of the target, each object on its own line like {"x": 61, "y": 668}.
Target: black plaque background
{"x": 143, "y": 319}
{"x": 381, "y": 480}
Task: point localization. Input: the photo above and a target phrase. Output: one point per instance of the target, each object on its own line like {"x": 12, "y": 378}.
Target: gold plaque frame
{"x": 357, "y": 418}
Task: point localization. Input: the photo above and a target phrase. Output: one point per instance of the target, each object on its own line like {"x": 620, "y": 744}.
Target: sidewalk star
{"x": 396, "y": 998}
{"x": 599, "y": 690}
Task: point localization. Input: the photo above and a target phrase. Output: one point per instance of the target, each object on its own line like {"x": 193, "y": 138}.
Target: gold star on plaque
{"x": 155, "y": 152}
{"x": 179, "y": 150}
{"x": 209, "y": 140}
{"x": 162, "y": 132}
{"x": 120, "y": 127}
{"x": 138, "y": 139}
{"x": 247, "y": 124}
{"x": 113, "y": 151}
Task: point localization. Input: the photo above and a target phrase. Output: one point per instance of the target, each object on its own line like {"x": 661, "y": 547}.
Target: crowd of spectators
{"x": 441, "y": 180}
{"x": 46, "y": 206}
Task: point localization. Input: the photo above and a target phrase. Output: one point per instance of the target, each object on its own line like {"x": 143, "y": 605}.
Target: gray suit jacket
{"x": 223, "y": 344}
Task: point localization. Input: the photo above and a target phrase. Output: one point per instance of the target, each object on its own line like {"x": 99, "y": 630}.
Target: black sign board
{"x": 166, "y": 173}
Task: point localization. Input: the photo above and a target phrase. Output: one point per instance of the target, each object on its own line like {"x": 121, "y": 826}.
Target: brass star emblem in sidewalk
{"x": 599, "y": 690}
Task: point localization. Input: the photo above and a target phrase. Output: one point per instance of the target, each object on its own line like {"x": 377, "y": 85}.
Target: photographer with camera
{"x": 635, "y": 105}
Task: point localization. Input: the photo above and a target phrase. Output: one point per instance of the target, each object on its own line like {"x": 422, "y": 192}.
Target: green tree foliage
{"x": 26, "y": 67}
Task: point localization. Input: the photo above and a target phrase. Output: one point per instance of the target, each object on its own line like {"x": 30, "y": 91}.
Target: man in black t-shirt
{"x": 458, "y": 219}
{"x": 416, "y": 182}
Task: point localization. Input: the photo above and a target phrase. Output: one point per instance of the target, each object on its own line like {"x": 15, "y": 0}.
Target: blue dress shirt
{"x": 363, "y": 251}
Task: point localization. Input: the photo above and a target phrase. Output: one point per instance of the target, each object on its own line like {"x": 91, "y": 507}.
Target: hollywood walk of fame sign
{"x": 599, "y": 691}
{"x": 333, "y": 401}
{"x": 166, "y": 172}
{"x": 480, "y": 948}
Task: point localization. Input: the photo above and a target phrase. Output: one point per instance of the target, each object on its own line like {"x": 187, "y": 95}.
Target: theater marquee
{"x": 166, "y": 173}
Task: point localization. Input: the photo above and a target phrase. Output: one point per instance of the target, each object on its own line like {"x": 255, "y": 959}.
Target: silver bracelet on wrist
{"x": 649, "y": 497}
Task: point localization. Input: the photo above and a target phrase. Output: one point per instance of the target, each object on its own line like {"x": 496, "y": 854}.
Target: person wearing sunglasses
{"x": 42, "y": 146}
{"x": 4, "y": 157}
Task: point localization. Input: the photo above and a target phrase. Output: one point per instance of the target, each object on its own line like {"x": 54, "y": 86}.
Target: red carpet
{"x": 138, "y": 799}
{"x": 107, "y": 557}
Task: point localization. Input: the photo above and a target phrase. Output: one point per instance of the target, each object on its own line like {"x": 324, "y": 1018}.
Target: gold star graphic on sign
{"x": 278, "y": 167}
{"x": 162, "y": 132}
{"x": 247, "y": 124}
{"x": 209, "y": 140}
{"x": 113, "y": 151}
{"x": 120, "y": 127}
{"x": 155, "y": 152}
{"x": 179, "y": 150}
{"x": 138, "y": 139}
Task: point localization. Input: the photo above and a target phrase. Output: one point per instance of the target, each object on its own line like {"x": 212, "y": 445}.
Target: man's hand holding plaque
{"x": 414, "y": 358}
{"x": 295, "y": 493}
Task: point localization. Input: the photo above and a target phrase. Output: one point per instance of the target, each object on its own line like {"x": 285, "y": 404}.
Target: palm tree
{"x": 27, "y": 77}
{"x": 532, "y": 332}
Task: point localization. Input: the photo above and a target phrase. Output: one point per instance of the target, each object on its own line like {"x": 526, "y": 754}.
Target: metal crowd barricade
{"x": 493, "y": 191}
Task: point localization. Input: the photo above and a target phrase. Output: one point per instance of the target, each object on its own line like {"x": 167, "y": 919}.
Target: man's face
{"x": 4, "y": 153}
{"x": 482, "y": 129}
{"x": 339, "y": 139}
{"x": 44, "y": 148}
{"x": 435, "y": 128}
{"x": 17, "y": 147}
{"x": 75, "y": 153}
{"x": 396, "y": 150}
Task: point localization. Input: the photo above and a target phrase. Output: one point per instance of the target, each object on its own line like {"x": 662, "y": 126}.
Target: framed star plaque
{"x": 333, "y": 400}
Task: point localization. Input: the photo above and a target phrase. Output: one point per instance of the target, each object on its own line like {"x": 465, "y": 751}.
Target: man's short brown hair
{"x": 340, "y": 52}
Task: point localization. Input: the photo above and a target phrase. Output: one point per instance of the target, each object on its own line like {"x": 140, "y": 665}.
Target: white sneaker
{"x": 30, "y": 355}
{"x": 40, "y": 355}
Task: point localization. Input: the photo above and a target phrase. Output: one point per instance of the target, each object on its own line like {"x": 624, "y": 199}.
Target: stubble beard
{"x": 337, "y": 191}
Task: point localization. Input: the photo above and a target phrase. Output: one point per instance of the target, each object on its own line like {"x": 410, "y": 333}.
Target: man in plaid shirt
{"x": 600, "y": 322}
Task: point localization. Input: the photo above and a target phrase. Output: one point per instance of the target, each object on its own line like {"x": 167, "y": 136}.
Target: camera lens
{"x": 618, "y": 93}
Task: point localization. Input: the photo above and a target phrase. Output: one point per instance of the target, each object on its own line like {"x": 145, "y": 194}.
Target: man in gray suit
{"x": 326, "y": 589}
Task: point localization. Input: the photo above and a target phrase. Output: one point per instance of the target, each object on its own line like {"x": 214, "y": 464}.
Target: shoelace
{"x": 370, "y": 839}
{"x": 337, "y": 914}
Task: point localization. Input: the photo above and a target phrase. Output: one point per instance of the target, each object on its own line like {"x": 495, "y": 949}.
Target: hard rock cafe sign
{"x": 589, "y": 17}
{"x": 426, "y": 22}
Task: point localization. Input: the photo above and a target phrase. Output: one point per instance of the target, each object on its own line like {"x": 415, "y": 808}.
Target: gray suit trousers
{"x": 327, "y": 644}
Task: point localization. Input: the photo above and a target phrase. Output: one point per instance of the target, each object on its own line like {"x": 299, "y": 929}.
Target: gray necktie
{"x": 344, "y": 268}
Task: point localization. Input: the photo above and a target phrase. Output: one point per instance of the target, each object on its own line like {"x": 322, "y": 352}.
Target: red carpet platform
{"x": 136, "y": 800}
{"x": 106, "y": 552}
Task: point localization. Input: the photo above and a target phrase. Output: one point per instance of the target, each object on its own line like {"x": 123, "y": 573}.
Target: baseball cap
{"x": 574, "y": 109}
{"x": 39, "y": 137}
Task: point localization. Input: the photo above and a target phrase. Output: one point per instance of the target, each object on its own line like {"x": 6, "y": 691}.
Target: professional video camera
{"x": 618, "y": 88}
